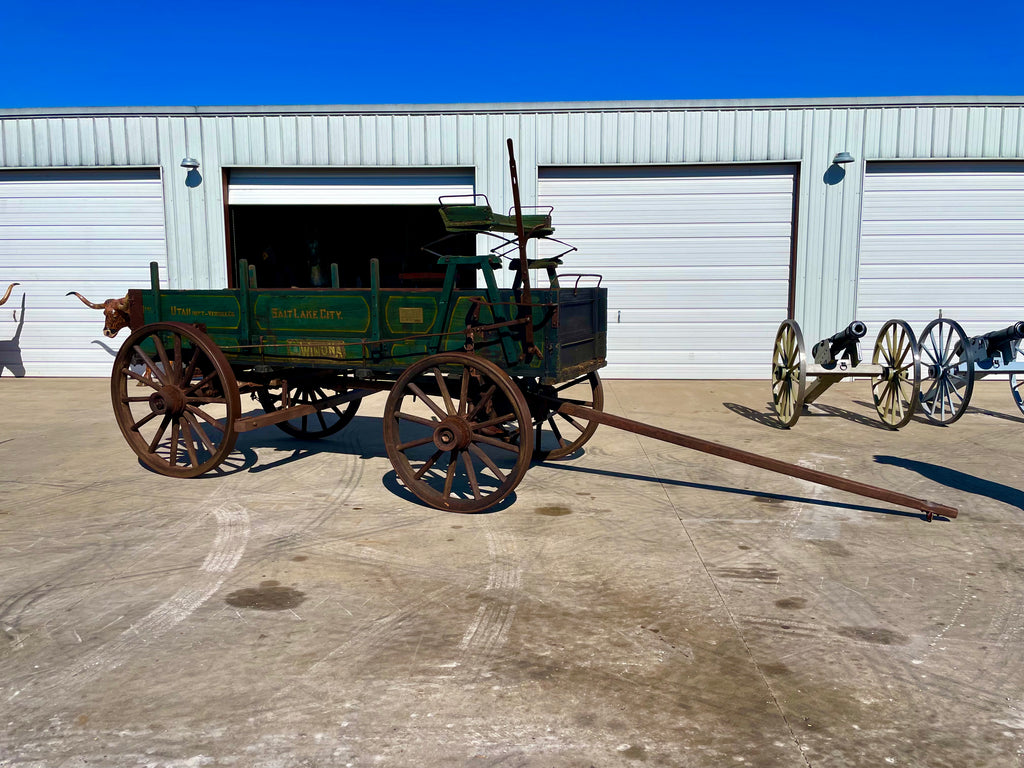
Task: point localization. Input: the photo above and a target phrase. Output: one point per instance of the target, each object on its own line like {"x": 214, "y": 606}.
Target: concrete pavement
{"x": 638, "y": 605}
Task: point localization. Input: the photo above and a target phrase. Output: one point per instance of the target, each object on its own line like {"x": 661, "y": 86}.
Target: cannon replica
{"x": 481, "y": 381}
{"x": 951, "y": 361}
{"x": 894, "y": 370}
{"x": 7, "y": 293}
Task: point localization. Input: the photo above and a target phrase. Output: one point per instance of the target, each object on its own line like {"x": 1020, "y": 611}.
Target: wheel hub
{"x": 169, "y": 401}
{"x": 453, "y": 433}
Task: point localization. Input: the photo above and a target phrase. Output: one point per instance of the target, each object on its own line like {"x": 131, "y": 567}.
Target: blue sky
{"x": 64, "y": 54}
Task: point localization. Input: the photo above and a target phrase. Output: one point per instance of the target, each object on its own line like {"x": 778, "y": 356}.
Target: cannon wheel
{"x": 184, "y": 426}
{"x": 458, "y": 432}
{"x": 557, "y": 435}
{"x": 789, "y": 372}
{"x": 945, "y": 394}
{"x": 1016, "y": 383}
{"x": 896, "y": 391}
{"x": 309, "y": 389}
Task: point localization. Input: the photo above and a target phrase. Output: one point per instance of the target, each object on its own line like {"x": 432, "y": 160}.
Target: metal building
{"x": 709, "y": 221}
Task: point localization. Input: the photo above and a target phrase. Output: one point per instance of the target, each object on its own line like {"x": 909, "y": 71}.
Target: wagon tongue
{"x": 929, "y": 508}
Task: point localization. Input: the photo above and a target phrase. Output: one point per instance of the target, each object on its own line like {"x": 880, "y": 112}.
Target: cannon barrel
{"x": 852, "y": 332}
{"x": 995, "y": 339}
{"x": 826, "y": 351}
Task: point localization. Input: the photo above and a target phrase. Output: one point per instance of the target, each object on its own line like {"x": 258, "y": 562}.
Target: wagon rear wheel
{"x": 458, "y": 432}
{"x": 308, "y": 390}
{"x": 183, "y": 425}
{"x": 789, "y": 373}
{"x": 895, "y": 392}
{"x": 557, "y": 435}
{"x": 947, "y": 371}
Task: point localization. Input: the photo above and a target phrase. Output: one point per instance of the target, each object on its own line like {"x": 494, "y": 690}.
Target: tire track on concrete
{"x": 225, "y": 553}
{"x": 488, "y": 632}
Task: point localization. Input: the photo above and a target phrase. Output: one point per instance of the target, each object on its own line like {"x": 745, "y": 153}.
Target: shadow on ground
{"x": 960, "y": 481}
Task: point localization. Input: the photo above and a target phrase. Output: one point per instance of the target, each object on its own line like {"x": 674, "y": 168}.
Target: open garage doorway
{"x": 295, "y": 245}
{"x": 294, "y": 223}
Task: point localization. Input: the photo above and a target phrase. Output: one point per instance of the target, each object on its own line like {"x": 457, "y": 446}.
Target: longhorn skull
{"x": 115, "y": 313}
{"x": 8, "y": 294}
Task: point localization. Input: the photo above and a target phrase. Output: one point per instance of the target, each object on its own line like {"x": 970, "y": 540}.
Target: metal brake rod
{"x": 929, "y": 508}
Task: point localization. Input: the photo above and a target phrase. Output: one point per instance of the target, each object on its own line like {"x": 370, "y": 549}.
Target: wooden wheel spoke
{"x": 140, "y": 378}
{"x": 572, "y": 421}
{"x": 438, "y": 411}
{"x": 415, "y": 419}
{"x": 428, "y": 464}
{"x": 160, "y": 375}
{"x": 488, "y": 461}
{"x": 190, "y": 446}
{"x": 476, "y": 427}
{"x": 205, "y": 416}
{"x": 176, "y": 360}
{"x": 449, "y": 476}
{"x": 173, "y": 458}
{"x": 482, "y": 403}
{"x": 464, "y": 392}
{"x": 158, "y": 436}
{"x": 556, "y": 431}
{"x": 143, "y": 421}
{"x": 200, "y": 384}
{"x": 416, "y": 443}
{"x": 493, "y": 441}
{"x": 198, "y": 429}
{"x": 573, "y": 383}
{"x": 162, "y": 354}
{"x": 442, "y": 385}
{"x": 474, "y": 484}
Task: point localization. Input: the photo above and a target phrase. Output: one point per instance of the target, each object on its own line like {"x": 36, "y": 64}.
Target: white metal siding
{"x": 94, "y": 232}
{"x": 696, "y": 261}
{"x": 365, "y": 187}
{"x": 946, "y": 236}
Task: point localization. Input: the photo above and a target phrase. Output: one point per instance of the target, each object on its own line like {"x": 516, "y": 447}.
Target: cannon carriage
{"x": 894, "y": 370}
{"x": 480, "y": 382}
{"x": 952, "y": 361}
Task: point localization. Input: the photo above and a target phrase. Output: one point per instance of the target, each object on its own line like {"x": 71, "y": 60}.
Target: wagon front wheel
{"x": 182, "y": 422}
{"x": 458, "y": 432}
{"x": 557, "y": 435}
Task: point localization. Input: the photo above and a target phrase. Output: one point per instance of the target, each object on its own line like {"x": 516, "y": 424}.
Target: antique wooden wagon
{"x": 481, "y": 381}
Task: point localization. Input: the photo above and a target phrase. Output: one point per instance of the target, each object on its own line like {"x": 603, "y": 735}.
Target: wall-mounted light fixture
{"x": 841, "y": 158}
{"x": 190, "y": 163}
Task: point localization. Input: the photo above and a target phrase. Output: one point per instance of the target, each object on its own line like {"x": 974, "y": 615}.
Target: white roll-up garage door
{"x": 346, "y": 187}
{"x": 943, "y": 235}
{"x": 94, "y": 232}
{"x": 696, "y": 261}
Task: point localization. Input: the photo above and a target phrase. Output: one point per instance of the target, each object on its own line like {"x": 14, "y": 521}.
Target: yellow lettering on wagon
{"x": 318, "y": 350}
{"x": 193, "y": 312}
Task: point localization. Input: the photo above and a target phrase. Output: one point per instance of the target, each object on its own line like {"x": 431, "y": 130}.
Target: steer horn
{"x": 85, "y": 301}
{"x": 8, "y": 294}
